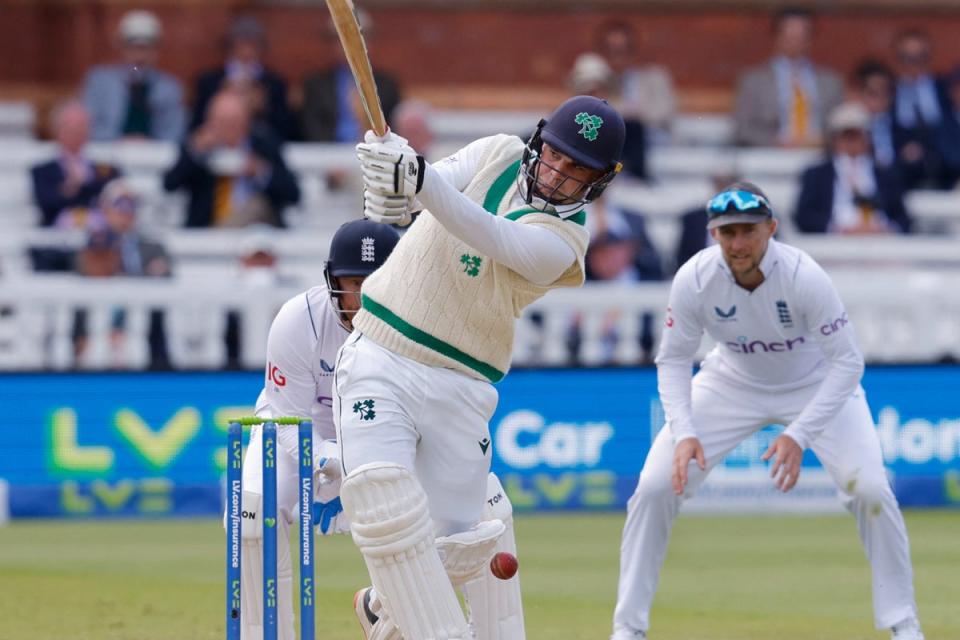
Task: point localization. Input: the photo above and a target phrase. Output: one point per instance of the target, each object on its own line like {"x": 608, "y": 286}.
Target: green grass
{"x": 725, "y": 578}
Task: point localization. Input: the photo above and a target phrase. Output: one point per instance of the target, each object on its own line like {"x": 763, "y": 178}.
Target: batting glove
{"x": 396, "y": 210}
{"x": 389, "y": 139}
{"x": 390, "y": 171}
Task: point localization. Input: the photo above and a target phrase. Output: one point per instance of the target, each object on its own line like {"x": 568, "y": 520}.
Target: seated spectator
{"x": 332, "y": 111}
{"x": 132, "y": 98}
{"x": 873, "y": 83}
{"x": 785, "y": 101}
{"x": 591, "y": 75}
{"x": 620, "y": 251}
{"x": 244, "y": 72}
{"x": 694, "y": 235}
{"x": 950, "y": 128}
{"x": 67, "y": 187}
{"x": 848, "y": 193}
{"x": 646, "y": 90}
{"x": 920, "y": 102}
{"x": 116, "y": 248}
{"x": 234, "y": 174}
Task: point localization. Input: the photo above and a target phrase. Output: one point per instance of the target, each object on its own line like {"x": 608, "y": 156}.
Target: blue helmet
{"x": 591, "y": 133}
{"x": 358, "y": 248}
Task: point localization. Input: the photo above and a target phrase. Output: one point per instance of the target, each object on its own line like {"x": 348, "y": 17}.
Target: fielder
{"x": 301, "y": 352}
{"x": 502, "y": 225}
{"x": 786, "y": 354}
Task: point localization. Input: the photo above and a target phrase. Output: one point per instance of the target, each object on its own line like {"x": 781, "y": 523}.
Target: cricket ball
{"x": 504, "y": 565}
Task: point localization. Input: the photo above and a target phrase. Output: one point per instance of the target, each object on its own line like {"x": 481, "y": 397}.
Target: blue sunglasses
{"x": 741, "y": 200}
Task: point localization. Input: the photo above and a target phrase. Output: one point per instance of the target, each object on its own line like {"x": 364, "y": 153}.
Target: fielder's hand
{"x": 786, "y": 467}
{"x": 390, "y": 171}
{"x": 686, "y": 450}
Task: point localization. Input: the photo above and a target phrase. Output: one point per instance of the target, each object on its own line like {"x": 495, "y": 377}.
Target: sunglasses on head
{"x": 741, "y": 200}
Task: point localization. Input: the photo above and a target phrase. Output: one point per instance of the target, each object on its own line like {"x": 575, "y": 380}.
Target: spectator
{"x": 67, "y": 187}
{"x": 950, "y": 127}
{"x": 873, "y": 82}
{"x": 646, "y": 90}
{"x": 620, "y": 251}
{"x": 411, "y": 120}
{"x": 244, "y": 72}
{"x": 785, "y": 101}
{"x": 694, "y": 235}
{"x": 332, "y": 111}
{"x": 116, "y": 248}
{"x": 920, "y": 103}
{"x": 592, "y": 76}
{"x": 235, "y": 175}
{"x": 133, "y": 99}
{"x": 848, "y": 193}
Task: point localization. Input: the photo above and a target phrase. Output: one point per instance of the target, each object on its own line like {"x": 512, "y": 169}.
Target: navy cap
{"x": 359, "y": 248}
{"x": 588, "y": 130}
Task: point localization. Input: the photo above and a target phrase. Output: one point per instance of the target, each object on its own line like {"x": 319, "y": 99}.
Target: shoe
{"x": 366, "y": 617}
{"x": 622, "y": 633}
{"x": 908, "y": 629}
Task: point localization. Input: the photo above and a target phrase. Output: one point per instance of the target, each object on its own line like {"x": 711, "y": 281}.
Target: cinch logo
{"x": 743, "y": 345}
{"x": 832, "y": 327}
{"x": 275, "y": 376}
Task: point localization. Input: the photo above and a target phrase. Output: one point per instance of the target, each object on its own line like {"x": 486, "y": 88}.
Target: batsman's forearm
{"x": 537, "y": 254}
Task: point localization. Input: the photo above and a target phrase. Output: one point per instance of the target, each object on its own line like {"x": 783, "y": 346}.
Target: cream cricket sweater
{"x": 439, "y": 302}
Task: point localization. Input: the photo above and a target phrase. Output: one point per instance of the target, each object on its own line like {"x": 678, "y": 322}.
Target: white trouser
{"x": 724, "y": 414}
{"x": 430, "y": 420}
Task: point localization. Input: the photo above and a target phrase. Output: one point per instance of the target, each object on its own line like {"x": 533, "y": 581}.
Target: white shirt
{"x": 301, "y": 354}
{"x": 538, "y": 254}
{"x": 791, "y": 331}
{"x": 854, "y": 177}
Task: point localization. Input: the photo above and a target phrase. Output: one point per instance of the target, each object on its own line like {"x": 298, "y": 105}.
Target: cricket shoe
{"x": 622, "y": 633}
{"x": 908, "y": 629}
{"x": 366, "y": 617}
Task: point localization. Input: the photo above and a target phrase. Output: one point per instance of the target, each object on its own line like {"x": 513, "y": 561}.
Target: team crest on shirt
{"x": 471, "y": 264}
{"x": 726, "y": 316}
{"x": 783, "y": 313}
{"x": 365, "y": 409}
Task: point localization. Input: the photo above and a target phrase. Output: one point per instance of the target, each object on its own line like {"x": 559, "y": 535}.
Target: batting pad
{"x": 251, "y": 586}
{"x": 466, "y": 554}
{"x": 391, "y": 526}
{"x": 496, "y": 609}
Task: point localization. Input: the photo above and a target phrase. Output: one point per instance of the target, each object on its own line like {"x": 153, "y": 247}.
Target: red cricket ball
{"x": 504, "y": 565}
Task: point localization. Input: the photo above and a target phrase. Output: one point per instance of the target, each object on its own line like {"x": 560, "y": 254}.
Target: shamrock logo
{"x": 591, "y": 125}
{"x": 471, "y": 264}
{"x": 365, "y": 409}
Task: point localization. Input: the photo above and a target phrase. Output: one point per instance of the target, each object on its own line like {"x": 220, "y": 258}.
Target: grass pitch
{"x": 725, "y": 578}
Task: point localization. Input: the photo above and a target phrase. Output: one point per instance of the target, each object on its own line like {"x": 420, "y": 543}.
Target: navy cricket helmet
{"x": 589, "y": 131}
{"x": 358, "y": 248}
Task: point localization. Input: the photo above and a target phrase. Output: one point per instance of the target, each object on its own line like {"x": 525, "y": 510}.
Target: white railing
{"x": 900, "y": 316}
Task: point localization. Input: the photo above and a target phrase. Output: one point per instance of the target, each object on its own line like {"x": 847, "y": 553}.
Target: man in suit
{"x": 874, "y": 82}
{"x": 132, "y": 98}
{"x": 244, "y": 71}
{"x": 234, "y": 172}
{"x": 848, "y": 193}
{"x": 332, "y": 111}
{"x": 920, "y": 105}
{"x": 949, "y": 135}
{"x": 784, "y": 102}
{"x": 66, "y": 187}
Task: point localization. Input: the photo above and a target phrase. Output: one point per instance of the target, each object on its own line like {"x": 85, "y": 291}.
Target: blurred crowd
{"x": 892, "y": 126}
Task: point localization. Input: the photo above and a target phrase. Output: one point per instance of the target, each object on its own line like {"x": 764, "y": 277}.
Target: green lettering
{"x": 156, "y": 496}
{"x": 598, "y": 488}
{"x": 113, "y": 498}
{"x": 72, "y": 501}
{"x": 555, "y": 491}
{"x": 520, "y": 498}
{"x": 158, "y": 449}
{"x": 222, "y": 418}
{"x": 65, "y": 455}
